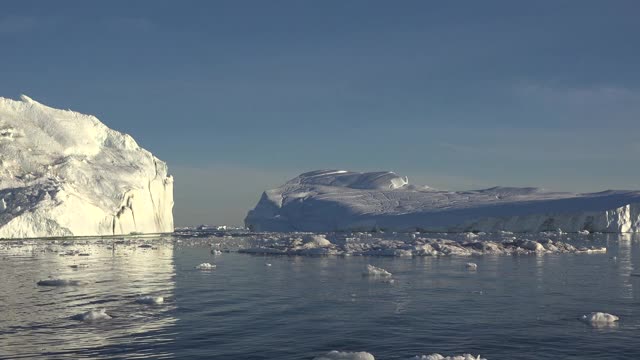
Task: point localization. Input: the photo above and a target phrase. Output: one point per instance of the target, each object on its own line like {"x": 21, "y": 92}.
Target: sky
{"x": 240, "y": 96}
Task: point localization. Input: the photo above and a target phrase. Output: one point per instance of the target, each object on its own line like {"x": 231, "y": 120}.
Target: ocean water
{"x": 299, "y": 307}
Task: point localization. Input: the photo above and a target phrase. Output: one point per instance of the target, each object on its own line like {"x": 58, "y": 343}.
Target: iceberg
{"x": 63, "y": 173}
{"x": 338, "y": 200}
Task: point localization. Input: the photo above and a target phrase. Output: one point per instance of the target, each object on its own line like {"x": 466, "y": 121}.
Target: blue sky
{"x": 239, "y": 96}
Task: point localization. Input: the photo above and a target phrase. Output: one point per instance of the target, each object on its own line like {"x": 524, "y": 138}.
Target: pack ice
{"x": 338, "y": 200}
{"x": 63, "y": 173}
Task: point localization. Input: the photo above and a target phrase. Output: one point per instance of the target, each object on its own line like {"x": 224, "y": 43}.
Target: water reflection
{"x": 512, "y": 307}
{"x": 115, "y": 273}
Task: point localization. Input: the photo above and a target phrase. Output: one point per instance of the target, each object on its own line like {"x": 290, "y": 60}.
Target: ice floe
{"x": 206, "y": 266}
{"x": 441, "y": 357}
{"x": 93, "y": 315}
{"x": 376, "y": 272}
{"x": 600, "y": 319}
{"x": 345, "y": 355}
{"x": 471, "y": 266}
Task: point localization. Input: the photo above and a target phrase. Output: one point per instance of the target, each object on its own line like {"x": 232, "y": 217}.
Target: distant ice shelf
{"x": 338, "y": 200}
{"x": 63, "y": 173}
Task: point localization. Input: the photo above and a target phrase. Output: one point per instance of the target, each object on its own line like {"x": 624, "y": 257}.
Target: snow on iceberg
{"x": 345, "y": 355}
{"x": 63, "y": 173}
{"x": 332, "y": 200}
{"x": 93, "y": 315}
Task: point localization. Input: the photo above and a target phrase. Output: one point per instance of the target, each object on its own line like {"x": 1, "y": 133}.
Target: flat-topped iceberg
{"x": 336, "y": 200}
{"x": 63, "y": 173}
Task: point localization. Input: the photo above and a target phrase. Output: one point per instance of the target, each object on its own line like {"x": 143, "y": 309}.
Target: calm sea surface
{"x": 512, "y": 307}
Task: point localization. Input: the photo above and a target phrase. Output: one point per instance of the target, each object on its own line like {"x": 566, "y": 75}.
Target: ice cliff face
{"x": 63, "y": 173}
{"x": 333, "y": 200}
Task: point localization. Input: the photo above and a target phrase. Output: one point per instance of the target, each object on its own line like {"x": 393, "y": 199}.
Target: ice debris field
{"x": 415, "y": 244}
{"x": 339, "y": 200}
{"x": 345, "y": 355}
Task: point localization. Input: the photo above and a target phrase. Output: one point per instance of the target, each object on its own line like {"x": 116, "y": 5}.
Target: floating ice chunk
{"x": 60, "y": 282}
{"x": 93, "y": 315}
{"x": 532, "y": 245}
{"x": 315, "y": 241}
{"x": 206, "y": 266}
{"x": 471, "y": 266}
{"x": 216, "y": 252}
{"x": 440, "y": 357}
{"x": 150, "y": 300}
{"x": 376, "y": 272}
{"x": 592, "y": 250}
{"x": 345, "y": 355}
{"x": 267, "y": 264}
{"x": 583, "y": 232}
{"x": 599, "y": 318}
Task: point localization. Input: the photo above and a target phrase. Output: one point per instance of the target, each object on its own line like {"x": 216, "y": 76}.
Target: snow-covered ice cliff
{"x": 63, "y": 173}
{"x": 337, "y": 200}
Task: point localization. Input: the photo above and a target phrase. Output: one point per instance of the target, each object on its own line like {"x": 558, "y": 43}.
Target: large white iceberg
{"x": 63, "y": 173}
{"x": 337, "y": 200}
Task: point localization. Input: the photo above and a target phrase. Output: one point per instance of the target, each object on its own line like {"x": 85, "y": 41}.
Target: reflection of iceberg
{"x": 118, "y": 273}
{"x": 625, "y": 263}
